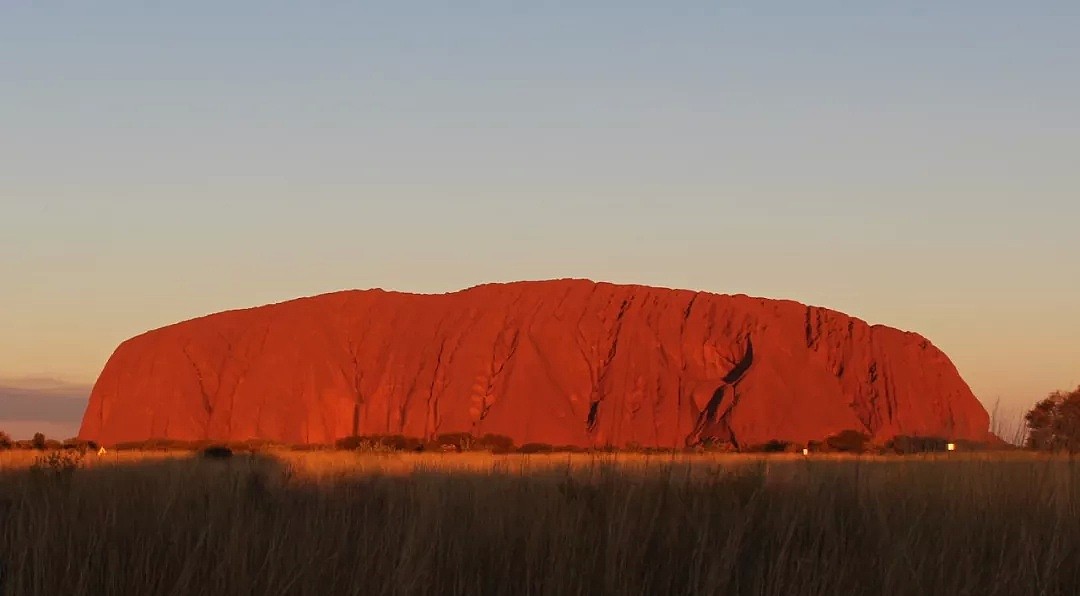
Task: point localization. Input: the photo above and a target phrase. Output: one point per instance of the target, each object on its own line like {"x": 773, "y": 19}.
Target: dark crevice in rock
{"x": 711, "y": 423}
{"x": 743, "y": 366}
{"x": 594, "y": 411}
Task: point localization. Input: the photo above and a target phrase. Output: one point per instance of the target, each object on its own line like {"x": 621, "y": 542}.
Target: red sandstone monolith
{"x": 564, "y": 362}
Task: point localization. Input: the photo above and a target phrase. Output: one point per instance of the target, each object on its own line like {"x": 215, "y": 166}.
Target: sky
{"x": 913, "y": 164}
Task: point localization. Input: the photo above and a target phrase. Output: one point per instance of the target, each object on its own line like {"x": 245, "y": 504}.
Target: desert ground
{"x": 283, "y": 522}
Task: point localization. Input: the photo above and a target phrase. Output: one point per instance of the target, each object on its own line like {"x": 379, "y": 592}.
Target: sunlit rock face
{"x": 565, "y": 362}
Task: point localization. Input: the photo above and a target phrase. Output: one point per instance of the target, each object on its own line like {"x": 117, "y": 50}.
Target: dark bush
{"x": 38, "y": 442}
{"x": 217, "y": 452}
{"x": 494, "y": 444}
{"x": 773, "y": 446}
{"x": 76, "y": 444}
{"x": 349, "y": 443}
{"x": 848, "y": 441}
{"x": 904, "y": 444}
{"x": 713, "y": 445}
{"x": 5, "y": 441}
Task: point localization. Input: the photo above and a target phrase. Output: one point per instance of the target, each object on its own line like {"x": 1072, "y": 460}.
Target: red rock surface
{"x": 560, "y": 362}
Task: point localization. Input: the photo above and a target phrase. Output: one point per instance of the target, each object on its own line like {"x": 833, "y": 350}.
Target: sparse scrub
{"x": 60, "y": 464}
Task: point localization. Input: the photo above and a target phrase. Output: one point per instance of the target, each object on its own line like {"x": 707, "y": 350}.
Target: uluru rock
{"x": 564, "y": 362}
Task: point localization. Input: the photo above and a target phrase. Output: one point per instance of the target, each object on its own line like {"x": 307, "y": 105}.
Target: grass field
{"x": 349, "y": 523}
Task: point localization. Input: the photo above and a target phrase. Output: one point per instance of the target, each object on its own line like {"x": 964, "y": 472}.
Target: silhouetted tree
{"x": 1054, "y": 423}
{"x": 5, "y": 441}
{"x": 38, "y": 442}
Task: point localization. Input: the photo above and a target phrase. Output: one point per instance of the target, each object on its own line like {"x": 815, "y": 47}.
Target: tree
{"x": 5, "y": 441}
{"x": 38, "y": 441}
{"x": 1054, "y": 423}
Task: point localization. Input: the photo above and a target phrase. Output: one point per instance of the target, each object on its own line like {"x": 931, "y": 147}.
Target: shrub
{"x": 495, "y": 443}
{"x": 904, "y": 444}
{"x": 349, "y": 443}
{"x": 848, "y": 441}
{"x": 717, "y": 446}
{"x": 5, "y": 441}
{"x": 217, "y": 452}
{"x": 76, "y": 444}
{"x": 58, "y": 463}
{"x": 773, "y": 446}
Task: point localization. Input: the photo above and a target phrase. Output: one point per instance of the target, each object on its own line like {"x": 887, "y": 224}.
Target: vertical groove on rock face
{"x": 603, "y": 364}
{"x": 207, "y": 402}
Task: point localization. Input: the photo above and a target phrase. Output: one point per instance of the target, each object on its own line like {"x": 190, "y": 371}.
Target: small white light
{"x": 951, "y": 446}
{"x": 806, "y": 452}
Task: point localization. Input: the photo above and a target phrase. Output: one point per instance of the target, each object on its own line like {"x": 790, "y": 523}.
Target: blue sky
{"x": 914, "y": 164}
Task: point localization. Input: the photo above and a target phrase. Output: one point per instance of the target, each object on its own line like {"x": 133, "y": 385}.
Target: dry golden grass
{"x": 347, "y": 523}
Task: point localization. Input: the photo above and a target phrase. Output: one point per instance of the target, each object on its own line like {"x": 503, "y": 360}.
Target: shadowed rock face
{"x": 560, "y": 362}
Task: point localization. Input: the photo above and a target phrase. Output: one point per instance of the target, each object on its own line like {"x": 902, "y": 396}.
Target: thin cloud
{"x": 47, "y": 405}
